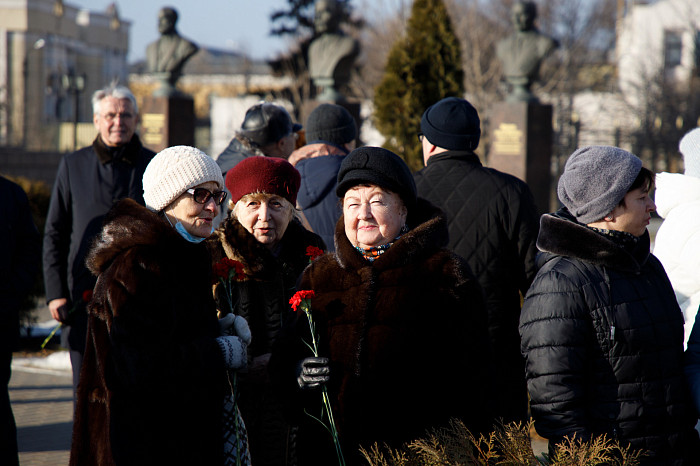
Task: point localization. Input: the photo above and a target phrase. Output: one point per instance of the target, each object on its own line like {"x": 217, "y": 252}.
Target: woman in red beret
{"x": 272, "y": 249}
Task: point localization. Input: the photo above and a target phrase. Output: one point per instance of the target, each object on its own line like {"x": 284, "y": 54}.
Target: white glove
{"x": 225, "y": 324}
{"x": 233, "y": 325}
{"x": 242, "y": 329}
{"x": 234, "y": 350}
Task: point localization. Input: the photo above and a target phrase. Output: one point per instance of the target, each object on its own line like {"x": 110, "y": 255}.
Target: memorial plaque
{"x": 521, "y": 145}
{"x": 167, "y": 121}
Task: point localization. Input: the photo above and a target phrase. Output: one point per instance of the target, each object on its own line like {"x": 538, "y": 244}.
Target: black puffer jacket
{"x": 602, "y": 335}
{"x": 493, "y": 223}
{"x": 262, "y": 298}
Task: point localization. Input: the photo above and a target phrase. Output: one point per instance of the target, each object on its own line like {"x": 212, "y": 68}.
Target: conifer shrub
{"x": 423, "y": 67}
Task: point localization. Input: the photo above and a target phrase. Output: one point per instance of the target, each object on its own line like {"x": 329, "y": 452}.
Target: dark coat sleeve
{"x": 524, "y": 234}
{"x": 20, "y": 250}
{"x": 57, "y": 235}
{"x": 692, "y": 365}
{"x": 21, "y": 245}
{"x": 554, "y": 328}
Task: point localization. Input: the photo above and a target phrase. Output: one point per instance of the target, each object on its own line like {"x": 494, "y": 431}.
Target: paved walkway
{"x": 42, "y": 402}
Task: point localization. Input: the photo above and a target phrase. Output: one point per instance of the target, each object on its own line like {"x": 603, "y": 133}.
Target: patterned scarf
{"x": 621, "y": 238}
{"x": 372, "y": 253}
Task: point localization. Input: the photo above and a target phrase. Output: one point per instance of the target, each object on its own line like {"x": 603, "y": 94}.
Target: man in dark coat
{"x": 89, "y": 181}
{"x": 268, "y": 131}
{"x": 493, "y": 224}
{"x": 601, "y": 330}
{"x": 331, "y": 132}
{"x": 20, "y": 250}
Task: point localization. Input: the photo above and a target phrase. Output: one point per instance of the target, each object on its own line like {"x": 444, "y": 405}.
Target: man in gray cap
{"x": 267, "y": 130}
{"x": 331, "y": 132}
{"x": 601, "y": 331}
{"x": 493, "y": 224}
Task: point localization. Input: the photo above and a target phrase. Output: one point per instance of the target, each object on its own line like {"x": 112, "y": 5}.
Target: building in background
{"x": 53, "y": 56}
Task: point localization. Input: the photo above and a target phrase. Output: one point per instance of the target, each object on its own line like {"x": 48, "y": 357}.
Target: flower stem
{"x": 53, "y": 332}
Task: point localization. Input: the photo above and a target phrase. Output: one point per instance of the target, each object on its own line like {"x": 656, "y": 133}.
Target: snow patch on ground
{"x": 55, "y": 362}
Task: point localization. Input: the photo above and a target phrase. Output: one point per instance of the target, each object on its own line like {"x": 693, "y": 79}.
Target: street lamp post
{"x": 74, "y": 84}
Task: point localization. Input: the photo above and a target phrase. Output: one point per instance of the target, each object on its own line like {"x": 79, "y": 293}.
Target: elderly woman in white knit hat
{"x": 153, "y": 386}
{"x": 600, "y": 328}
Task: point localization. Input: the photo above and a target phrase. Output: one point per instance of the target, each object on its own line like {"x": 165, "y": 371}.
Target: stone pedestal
{"x": 521, "y": 144}
{"x": 167, "y": 121}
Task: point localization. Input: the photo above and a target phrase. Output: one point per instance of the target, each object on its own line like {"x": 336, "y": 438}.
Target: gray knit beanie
{"x": 690, "y": 148}
{"x": 175, "y": 170}
{"x": 331, "y": 123}
{"x": 595, "y": 180}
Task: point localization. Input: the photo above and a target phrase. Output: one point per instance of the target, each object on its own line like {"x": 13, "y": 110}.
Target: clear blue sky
{"x": 239, "y": 25}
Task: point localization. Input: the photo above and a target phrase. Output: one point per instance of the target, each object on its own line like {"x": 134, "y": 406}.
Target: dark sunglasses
{"x": 202, "y": 196}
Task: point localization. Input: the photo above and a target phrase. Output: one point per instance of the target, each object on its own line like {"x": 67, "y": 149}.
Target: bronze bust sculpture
{"x": 522, "y": 53}
{"x": 167, "y": 56}
{"x": 332, "y": 53}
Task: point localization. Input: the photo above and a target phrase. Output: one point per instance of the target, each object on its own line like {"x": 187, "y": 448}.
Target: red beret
{"x": 269, "y": 175}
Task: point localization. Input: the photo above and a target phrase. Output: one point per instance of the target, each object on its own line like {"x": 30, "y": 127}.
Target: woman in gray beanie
{"x": 401, "y": 320}
{"x": 601, "y": 331}
{"x": 153, "y": 385}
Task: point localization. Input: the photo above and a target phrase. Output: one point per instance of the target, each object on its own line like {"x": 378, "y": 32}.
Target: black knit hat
{"x": 452, "y": 123}
{"x": 330, "y": 123}
{"x": 378, "y": 166}
{"x": 267, "y": 123}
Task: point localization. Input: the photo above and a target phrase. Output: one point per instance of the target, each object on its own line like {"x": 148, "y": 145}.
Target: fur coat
{"x": 406, "y": 336}
{"x": 153, "y": 380}
{"x": 262, "y": 298}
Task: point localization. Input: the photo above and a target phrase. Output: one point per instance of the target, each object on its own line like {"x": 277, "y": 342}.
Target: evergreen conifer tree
{"x": 423, "y": 67}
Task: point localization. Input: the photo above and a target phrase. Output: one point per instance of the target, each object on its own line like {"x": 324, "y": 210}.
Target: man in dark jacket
{"x": 330, "y": 131}
{"x": 20, "y": 252}
{"x": 493, "y": 223}
{"x": 268, "y": 131}
{"x": 89, "y": 181}
{"x": 601, "y": 330}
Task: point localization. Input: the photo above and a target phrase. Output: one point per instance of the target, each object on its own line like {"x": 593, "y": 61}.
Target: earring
{"x": 609, "y": 218}
{"x": 404, "y": 229}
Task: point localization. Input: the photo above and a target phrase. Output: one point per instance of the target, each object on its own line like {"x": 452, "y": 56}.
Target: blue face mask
{"x": 180, "y": 228}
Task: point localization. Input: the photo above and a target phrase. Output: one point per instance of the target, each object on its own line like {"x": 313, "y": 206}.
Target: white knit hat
{"x": 175, "y": 170}
{"x": 690, "y": 148}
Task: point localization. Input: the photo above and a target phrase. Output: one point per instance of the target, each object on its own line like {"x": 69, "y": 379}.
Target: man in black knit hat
{"x": 331, "y": 132}
{"x": 493, "y": 224}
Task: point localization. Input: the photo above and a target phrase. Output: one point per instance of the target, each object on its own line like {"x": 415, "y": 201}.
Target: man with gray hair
{"x": 88, "y": 182}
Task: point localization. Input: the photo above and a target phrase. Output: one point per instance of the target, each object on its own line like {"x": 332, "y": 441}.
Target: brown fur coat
{"x": 153, "y": 379}
{"x": 406, "y": 336}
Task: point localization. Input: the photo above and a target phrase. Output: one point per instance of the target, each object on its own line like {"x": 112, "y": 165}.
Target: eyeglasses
{"x": 122, "y": 116}
{"x": 202, "y": 196}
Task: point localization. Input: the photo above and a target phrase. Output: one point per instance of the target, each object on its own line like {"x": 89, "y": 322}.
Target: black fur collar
{"x": 427, "y": 234}
{"x": 562, "y": 236}
{"x": 129, "y": 152}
